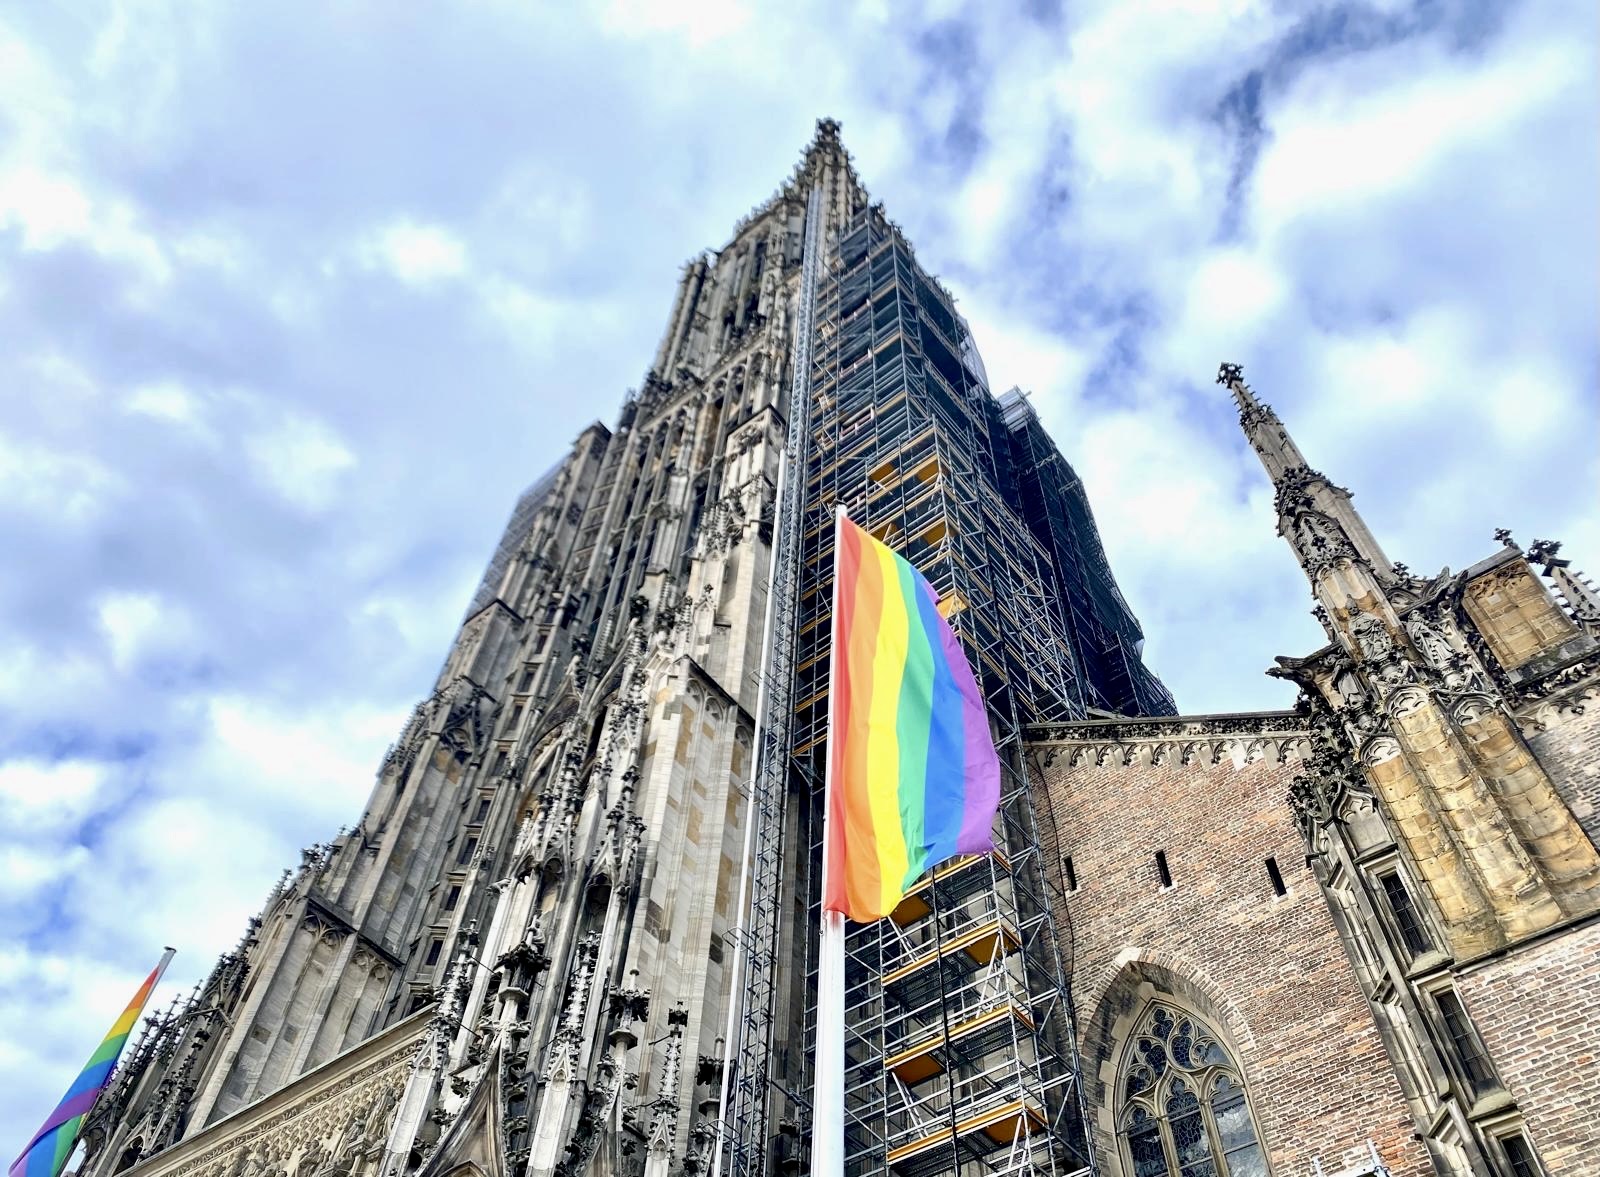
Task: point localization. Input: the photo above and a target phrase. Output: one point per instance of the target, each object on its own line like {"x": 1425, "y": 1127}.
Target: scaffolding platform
{"x": 959, "y": 1049}
{"x": 955, "y": 882}
{"x": 918, "y": 980}
{"x": 976, "y": 1035}
{"x": 985, "y": 1131}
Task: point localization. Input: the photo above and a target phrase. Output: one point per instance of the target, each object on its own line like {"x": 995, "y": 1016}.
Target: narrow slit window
{"x": 434, "y": 948}
{"x": 1520, "y": 1153}
{"x": 1162, "y": 869}
{"x": 1412, "y": 934}
{"x": 467, "y": 848}
{"x": 1464, "y": 1041}
{"x": 1276, "y": 876}
{"x": 1072, "y": 875}
{"x": 451, "y": 898}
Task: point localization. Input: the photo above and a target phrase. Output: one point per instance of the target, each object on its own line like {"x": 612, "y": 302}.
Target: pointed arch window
{"x": 1182, "y": 1109}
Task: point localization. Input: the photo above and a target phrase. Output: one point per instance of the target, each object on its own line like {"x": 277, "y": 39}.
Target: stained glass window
{"x": 1182, "y": 1102}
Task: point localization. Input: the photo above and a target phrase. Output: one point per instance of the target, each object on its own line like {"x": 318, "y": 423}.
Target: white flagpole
{"x": 827, "y": 1100}
{"x": 167, "y": 953}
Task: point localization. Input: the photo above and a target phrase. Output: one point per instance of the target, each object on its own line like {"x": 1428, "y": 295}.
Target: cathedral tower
{"x": 570, "y": 932}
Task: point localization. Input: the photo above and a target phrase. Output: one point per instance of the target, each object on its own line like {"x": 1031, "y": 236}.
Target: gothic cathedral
{"x": 572, "y": 931}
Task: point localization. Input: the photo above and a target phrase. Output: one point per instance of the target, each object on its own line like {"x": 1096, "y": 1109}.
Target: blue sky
{"x": 294, "y": 299}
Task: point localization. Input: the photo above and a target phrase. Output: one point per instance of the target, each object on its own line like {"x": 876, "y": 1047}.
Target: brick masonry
{"x": 1569, "y": 748}
{"x": 1270, "y": 973}
{"x": 1537, "y": 1009}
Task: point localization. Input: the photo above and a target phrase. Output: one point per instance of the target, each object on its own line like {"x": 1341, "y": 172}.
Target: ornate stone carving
{"x": 1580, "y": 596}
{"x": 1317, "y": 539}
{"x": 319, "y": 1135}
{"x": 1188, "y": 739}
{"x": 1473, "y": 708}
{"x": 461, "y": 711}
{"x": 561, "y": 1062}
{"x": 402, "y": 754}
{"x": 1317, "y": 795}
{"x": 1379, "y": 750}
{"x": 1407, "y": 701}
{"x": 664, "y": 1108}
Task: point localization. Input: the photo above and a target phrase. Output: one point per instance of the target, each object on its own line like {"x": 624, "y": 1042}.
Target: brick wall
{"x": 1270, "y": 973}
{"x": 1569, "y": 750}
{"x": 1538, "y": 1011}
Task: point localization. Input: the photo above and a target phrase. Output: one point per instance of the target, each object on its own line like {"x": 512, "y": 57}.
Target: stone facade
{"x": 550, "y": 859}
{"x": 334, "y": 1123}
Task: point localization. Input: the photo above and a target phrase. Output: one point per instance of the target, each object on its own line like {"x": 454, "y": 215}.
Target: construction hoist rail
{"x": 742, "y": 1145}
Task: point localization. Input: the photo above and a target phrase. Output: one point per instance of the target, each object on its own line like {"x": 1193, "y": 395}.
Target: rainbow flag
{"x": 47, "y": 1153}
{"x": 913, "y": 775}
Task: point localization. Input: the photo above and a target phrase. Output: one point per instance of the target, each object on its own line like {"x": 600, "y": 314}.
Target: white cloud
{"x": 25, "y": 872}
{"x": 142, "y": 625}
{"x": 67, "y": 486}
{"x": 302, "y": 459}
{"x": 418, "y": 255}
{"x": 38, "y": 796}
{"x": 1380, "y": 124}
{"x": 47, "y": 208}
{"x": 166, "y": 401}
{"x": 700, "y": 24}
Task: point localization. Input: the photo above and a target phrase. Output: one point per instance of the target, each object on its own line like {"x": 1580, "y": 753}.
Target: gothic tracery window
{"x": 1181, "y": 1107}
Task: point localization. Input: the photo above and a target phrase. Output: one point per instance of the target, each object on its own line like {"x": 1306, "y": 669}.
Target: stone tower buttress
{"x": 1403, "y": 688}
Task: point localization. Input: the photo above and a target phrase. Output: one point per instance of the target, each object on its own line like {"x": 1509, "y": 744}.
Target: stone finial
{"x": 1579, "y": 593}
{"x": 1252, "y": 413}
{"x": 630, "y": 1002}
{"x": 1503, "y": 535}
{"x": 1544, "y": 552}
{"x": 664, "y": 1108}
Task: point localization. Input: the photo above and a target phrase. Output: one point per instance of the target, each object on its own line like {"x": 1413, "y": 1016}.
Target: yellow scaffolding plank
{"x": 915, "y": 904}
{"x": 981, "y": 944}
{"x": 923, "y": 1060}
{"x": 1001, "y": 1125}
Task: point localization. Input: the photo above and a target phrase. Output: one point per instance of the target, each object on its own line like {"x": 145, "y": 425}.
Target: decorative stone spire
{"x": 1314, "y": 514}
{"x": 1581, "y": 598}
{"x": 664, "y": 1108}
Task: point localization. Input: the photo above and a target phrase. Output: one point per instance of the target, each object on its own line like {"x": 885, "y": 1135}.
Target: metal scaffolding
{"x": 960, "y": 1054}
{"x": 1106, "y": 638}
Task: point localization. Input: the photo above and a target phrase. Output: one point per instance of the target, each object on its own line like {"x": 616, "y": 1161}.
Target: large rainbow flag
{"x": 51, "y": 1146}
{"x": 913, "y": 775}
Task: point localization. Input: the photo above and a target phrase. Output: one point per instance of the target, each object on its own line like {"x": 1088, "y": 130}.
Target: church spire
{"x": 1314, "y": 515}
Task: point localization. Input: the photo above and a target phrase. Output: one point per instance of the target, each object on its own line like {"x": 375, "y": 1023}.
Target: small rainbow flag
{"x": 913, "y": 775}
{"x": 51, "y": 1146}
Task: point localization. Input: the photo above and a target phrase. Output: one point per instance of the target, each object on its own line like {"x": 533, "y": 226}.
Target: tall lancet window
{"x": 1181, "y": 1106}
